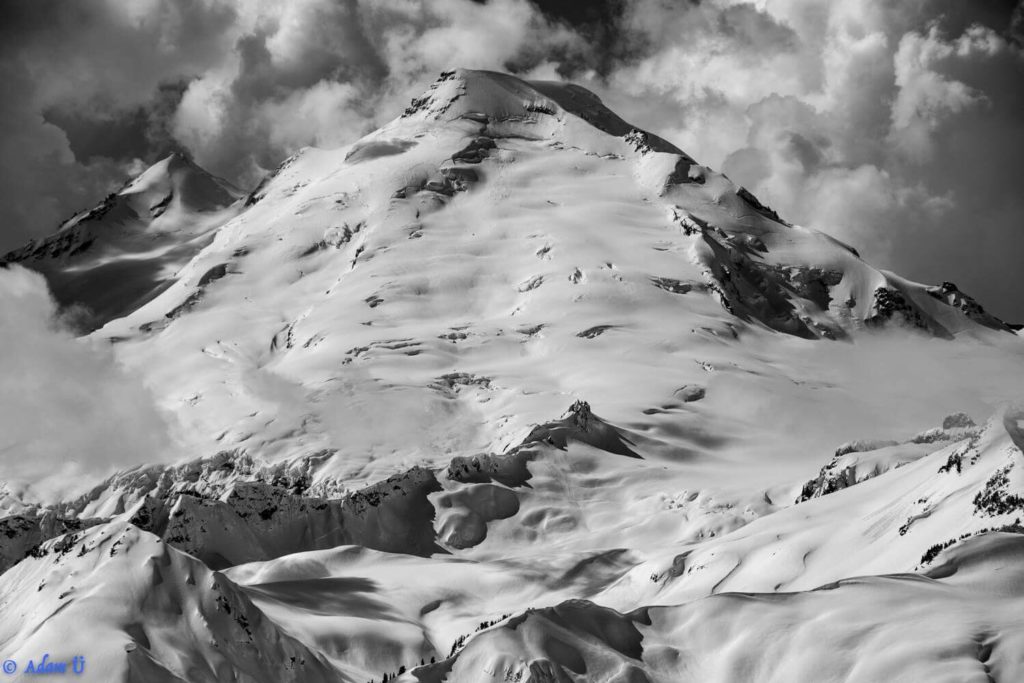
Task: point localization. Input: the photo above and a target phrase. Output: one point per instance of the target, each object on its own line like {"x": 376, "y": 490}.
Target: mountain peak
{"x": 108, "y": 260}
{"x": 176, "y": 176}
{"x": 495, "y": 98}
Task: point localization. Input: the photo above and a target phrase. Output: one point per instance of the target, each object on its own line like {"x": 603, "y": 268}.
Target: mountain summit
{"x": 109, "y": 260}
{"x": 812, "y": 287}
{"x": 371, "y": 356}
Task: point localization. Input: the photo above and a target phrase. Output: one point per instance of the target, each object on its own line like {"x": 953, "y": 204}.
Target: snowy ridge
{"x": 107, "y": 261}
{"x": 599, "y": 639}
{"x": 158, "y": 614}
{"x": 809, "y": 634}
{"x": 859, "y": 460}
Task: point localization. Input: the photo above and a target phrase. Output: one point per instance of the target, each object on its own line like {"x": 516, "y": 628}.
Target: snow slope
{"x": 960, "y": 623}
{"x": 510, "y": 353}
{"x": 153, "y": 614}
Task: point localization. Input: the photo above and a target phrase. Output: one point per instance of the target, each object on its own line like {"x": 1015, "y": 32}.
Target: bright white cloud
{"x": 69, "y": 415}
{"x": 925, "y": 97}
{"x": 865, "y": 118}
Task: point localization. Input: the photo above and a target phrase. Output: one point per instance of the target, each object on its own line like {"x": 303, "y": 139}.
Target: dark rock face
{"x": 810, "y": 283}
{"x": 451, "y": 384}
{"x": 509, "y": 469}
{"x": 260, "y": 191}
{"x": 475, "y": 152}
{"x": 863, "y": 445}
{"x": 834, "y": 477}
{"x": 676, "y": 286}
{"x": 228, "y": 510}
{"x": 890, "y": 302}
{"x": 891, "y": 305}
{"x": 950, "y": 294}
{"x": 644, "y": 143}
{"x": 958, "y": 421}
{"x": 418, "y": 104}
{"x": 843, "y": 471}
{"x": 231, "y": 509}
{"x": 580, "y": 424}
{"x": 995, "y": 499}
{"x": 829, "y": 481}
{"x": 215, "y": 273}
{"x": 685, "y": 172}
{"x": 751, "y": 289}
{"x": 757, "y": 206}
{"x": 258, "y": 520}
{"x": 21, "y": 535}
{"x": 689, "y": 393}
{"x": 595, "y": 331}
{"x": 74, "y": 237}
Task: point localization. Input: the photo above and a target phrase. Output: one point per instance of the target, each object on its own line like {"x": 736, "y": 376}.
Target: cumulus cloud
{"x": 925, "y": 97}
{"x": 92, "y": 61}
{"x": 896, "y": 126}
{"x": 889, "y": 125}
{"x": 68, "y": 414}
{"x": 323, "y": 73}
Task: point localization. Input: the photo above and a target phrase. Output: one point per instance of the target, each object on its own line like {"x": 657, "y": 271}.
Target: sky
{"x": 897, "y": 126}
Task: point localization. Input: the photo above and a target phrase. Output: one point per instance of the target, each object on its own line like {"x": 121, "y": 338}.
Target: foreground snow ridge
{"x": 510, "y": 390}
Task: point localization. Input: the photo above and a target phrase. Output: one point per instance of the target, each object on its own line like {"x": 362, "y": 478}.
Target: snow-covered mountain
{"x": 511, "y": 390}
{"x": 111, "y": 259}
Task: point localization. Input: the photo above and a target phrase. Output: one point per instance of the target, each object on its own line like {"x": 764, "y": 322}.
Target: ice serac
{"x": 369, "y": 360}
{"x": 105, "y": 262}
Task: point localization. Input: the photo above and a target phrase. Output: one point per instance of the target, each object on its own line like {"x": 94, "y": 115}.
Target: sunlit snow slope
{"x": 510, "y": 390}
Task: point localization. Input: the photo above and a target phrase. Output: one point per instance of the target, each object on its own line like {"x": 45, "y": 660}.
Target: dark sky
{"x": 897, "y": 127}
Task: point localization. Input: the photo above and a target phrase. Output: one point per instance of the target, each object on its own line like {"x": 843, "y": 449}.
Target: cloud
{"x": 890, "y": 125}
{"x": 98, "y": 61}
{"x": 322, "y": 73}
{"x": 69, "y": 415}
{"x": 924, "y": 96}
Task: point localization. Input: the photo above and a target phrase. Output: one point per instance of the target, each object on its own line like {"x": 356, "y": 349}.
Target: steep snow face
{"x": 177, "y": 183}
{"x": 372, "y": 354}
{"x": 105, "y": 262}
{"x": 499, "y": 251}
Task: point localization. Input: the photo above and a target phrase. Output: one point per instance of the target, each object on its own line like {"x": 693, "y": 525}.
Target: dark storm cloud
{"x": 322, "y": 73}
{"x": 896, "y": 126}
{"x": 605, "y": 42}
{"x": 142, "y": 133}
{"x": 118, "y": 136}
{"x": 89, "y": 66}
